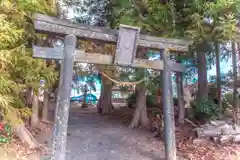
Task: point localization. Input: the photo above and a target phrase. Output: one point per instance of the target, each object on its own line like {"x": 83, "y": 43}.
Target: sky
{"x": 224, "y": 67}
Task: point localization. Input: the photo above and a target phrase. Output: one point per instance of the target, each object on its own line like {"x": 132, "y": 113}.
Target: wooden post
{"x": 57, "y": 104}
{"x": 169, "y": 125}
{"x": 59, "y": 144}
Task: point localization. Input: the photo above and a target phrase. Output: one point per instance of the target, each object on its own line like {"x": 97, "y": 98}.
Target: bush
{"x": 151, "y": 100}
{"x": 205, "y": 110}
{"x": 131, "y": 100}
{"x": 227, "y": 99}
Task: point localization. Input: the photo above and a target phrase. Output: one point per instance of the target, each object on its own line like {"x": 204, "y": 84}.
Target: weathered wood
{"x": 55, "y": 128}
{"x": 219, "y": 131}
{"x": 53, "y": 25}
{"x": 168, "y": 112}
{"x": 59, "y": 149}
{"x": 157, "y": 64}
{"x": 96, "y": 58}
{"x": 93, "y": 58}
{"x": 126, "y": 45}
{"x": 47, "y": 52}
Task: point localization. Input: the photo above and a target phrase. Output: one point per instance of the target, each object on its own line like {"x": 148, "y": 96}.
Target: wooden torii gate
{"x": 127, "y": 39}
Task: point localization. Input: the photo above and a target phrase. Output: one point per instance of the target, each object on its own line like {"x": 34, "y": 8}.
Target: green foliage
{"x": 18, "y": 70}
{"x": 151, "y": 100}
{"x": 213, "y": 21}
{"x": 205, "y": 110}
{"x": 228, "y": 101}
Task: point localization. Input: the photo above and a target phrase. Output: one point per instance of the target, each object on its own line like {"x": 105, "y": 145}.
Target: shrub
{"x": 227, "y": 99}
{"x": 205, "y": 110}
{"x": 151, "y": 100}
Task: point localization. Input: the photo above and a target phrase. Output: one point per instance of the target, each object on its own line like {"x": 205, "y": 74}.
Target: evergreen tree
{"x": 19, "y": 70}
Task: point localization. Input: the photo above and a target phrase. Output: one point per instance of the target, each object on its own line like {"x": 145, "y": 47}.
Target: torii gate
{"x": 127, "y": 39}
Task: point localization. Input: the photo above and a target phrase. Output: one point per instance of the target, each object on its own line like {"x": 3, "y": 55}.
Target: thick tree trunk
{"x": 179, "y": 81}
{"x": 34, "y": 116}
{"x": 105, "y": 101}
{"x": 28, "y": 102}
{"x": 25, "y": 136}
{"x": 236, "y": 105}
{"x": 238, "y": 65}
{"x": 45, "y": 106}
{"x": 140, "y": 117}
{"x": 29, "y": 96}
{"x": 218, "y": 75}
{"x": 181, "y": 113}
{"x": 202, "y": 77}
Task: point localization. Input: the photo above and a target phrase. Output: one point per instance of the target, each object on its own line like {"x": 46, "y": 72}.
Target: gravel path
{"x": 93, "y": 137}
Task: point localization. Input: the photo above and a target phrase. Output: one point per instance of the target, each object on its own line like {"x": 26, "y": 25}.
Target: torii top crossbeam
{"x": 126, "y": 37}
{"x": 53, "y": 25}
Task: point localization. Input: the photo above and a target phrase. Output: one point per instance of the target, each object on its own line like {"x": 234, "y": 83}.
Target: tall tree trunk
{"x": 105, "y": 101}
{"x": 202, "y": 77}
{"x": 218, "y": 75}
{"x": 140, "y": 117}
{"x": 181, "y": 114}
{"x": 238, "y": 65}
{"x": 236, "y": 116}
{"x": 179, "y": 81}
{"x": 28, "y": 102}
{"x": 35, "y": 113}
{"x": 45, "y": 106}
{"x": 20, "y": 129}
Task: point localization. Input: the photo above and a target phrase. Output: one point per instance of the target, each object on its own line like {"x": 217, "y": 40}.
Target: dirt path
{"x": 93, "y": 137}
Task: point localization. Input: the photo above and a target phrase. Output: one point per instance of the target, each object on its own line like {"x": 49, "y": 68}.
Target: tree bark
{"x": 105, "y": 101}
{"x": 202, "y": 77}
{"x": 140, "y": 117}
{"x": 236, "y": 116}
{"x": 35, "y": 116}
{"x": 181, "y": 114}
{"x": 25, "y": 136}
{"x": 238, "y": 62}
{"x": 28, "y": 103}
{"x": 179, "y": 80}
{"x": 45, "y": 106}
{"x": 218, "y": 75}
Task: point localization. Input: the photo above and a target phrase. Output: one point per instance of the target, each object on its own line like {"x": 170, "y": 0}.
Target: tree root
{"x": 25, "y": 136}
